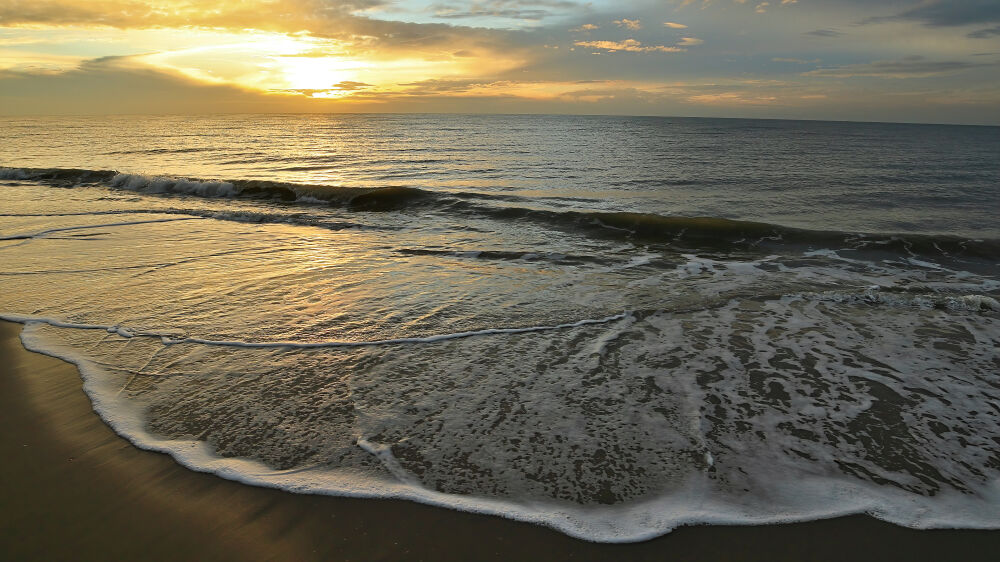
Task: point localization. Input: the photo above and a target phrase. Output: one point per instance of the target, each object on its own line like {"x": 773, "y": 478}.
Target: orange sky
{"x": 838, "y": 59}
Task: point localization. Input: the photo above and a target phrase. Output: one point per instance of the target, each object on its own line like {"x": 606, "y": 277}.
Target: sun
{"x": 302, "y": 64}
{"x": 316, "y": 73}
{"x": 264, "y": 61}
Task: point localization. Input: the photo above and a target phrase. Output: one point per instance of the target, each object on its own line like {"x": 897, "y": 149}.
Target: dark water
{"x": 612, "y": 326}
{"x": 859, "y": 177}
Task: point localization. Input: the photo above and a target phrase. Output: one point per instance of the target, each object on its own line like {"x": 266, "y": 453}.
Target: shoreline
{"x": 72, "y": 488}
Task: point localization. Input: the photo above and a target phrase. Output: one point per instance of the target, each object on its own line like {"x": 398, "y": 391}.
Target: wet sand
{"x": 72, "y": 489}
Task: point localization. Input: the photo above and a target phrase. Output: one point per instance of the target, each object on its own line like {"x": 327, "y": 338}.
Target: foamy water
{"x": 609, "y": 337}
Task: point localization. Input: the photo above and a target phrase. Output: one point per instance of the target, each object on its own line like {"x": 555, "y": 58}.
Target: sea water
{"x": 608, "y": 325}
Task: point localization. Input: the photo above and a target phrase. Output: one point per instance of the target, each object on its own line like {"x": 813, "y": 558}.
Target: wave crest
{"x": 686, "y": 232}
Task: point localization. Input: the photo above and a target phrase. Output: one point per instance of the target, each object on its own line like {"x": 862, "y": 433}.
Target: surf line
{"x": 91, "y": 214}
{"x": 167, "y": 340}
{"x": 42, "y": 233}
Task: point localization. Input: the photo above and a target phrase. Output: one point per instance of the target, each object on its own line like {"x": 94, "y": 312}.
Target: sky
{"x": 893, "y": 60}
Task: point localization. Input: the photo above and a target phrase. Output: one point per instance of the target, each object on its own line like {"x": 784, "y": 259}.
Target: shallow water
{"x": 523, "y": 315}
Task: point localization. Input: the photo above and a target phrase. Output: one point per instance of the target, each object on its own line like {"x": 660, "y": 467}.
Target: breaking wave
{"x": 464, "y": 352}
{"x": 699, "y": 232}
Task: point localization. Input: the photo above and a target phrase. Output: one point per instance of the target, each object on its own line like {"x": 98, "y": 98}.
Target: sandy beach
{"x": 74, "y": 489}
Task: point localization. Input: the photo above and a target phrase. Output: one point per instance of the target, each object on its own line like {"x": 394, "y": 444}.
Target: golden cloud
{"x": 629, "y": 46}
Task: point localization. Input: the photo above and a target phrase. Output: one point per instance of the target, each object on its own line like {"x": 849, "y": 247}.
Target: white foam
{"x": 973, "y": 302}
{"x": 873, "y": 295}
{"x": 639, "y": 261}
{"x": 127, "y": 418}
{"x": 393, "y": 341}
{"x": 156, "y": 184}
{"x": 600, "y": 343}
{"x": 306, "y": 199}
{"x": 694, "y": 499}
{"x": 166, "y": 338}
{"x": 690, "y": 408}
{"x": 923, "y": 263}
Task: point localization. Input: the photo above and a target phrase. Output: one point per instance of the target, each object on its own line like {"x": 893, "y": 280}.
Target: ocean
{"x": 612, "y": 326}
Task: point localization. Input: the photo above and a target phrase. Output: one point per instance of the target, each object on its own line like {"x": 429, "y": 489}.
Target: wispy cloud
{"x": 910, "y": 67}
{"x": 508, "y": 9}
{"x": 986, "y": 33}
{"x": 824, "y": 33}
{"x": 795, "y": 60}
{"x": 945, "y": 13}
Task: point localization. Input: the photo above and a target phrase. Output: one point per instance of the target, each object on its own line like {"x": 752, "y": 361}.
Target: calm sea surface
{"x": 609, "y": 325}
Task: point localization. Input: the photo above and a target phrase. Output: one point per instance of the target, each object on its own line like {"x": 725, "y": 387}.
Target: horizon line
{"x": 488, "y": 114}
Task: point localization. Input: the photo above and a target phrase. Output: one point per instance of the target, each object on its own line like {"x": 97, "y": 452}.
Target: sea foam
{"x": 469, "y": 350}
{"x": 703, "y": 492}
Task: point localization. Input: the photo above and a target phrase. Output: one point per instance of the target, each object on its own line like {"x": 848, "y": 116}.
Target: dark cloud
{"x": 443, "y": 86}
{"x": 824, "y": 33}
{"x": 908, "y": 67}
{"x": 448, "y": 12}
{"x": 508, "y": 9}
{"x": 794, "y": 60}
{"x": 117, "y": 85}
{"x": 350, "y": 85}
{"x": 986, "y": 33}
{"x": 948, "y": 13}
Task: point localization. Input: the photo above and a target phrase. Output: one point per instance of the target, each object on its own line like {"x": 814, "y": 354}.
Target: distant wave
{"x": 700, "y": 232}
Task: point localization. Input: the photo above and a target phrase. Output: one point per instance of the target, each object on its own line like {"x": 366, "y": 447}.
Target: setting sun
{"x": 263, "y": 61}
